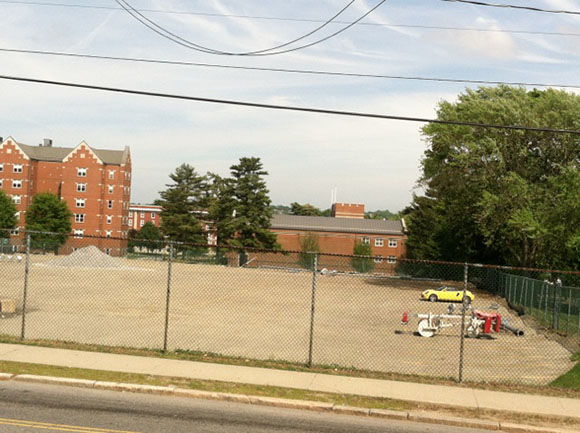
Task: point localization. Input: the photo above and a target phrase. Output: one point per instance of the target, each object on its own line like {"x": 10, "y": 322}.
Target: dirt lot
{"x": 265, "y": 314}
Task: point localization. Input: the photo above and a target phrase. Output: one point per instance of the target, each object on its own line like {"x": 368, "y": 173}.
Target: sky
{"x": 371, "y": 161}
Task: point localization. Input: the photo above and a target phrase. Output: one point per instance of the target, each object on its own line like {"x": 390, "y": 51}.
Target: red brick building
{"x": 339, "y": 233}
{"x": 95, "y": 183}
{"x": 140, "y": 214}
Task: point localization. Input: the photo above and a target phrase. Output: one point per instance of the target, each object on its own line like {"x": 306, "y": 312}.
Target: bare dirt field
{"x": 265, "y": 314}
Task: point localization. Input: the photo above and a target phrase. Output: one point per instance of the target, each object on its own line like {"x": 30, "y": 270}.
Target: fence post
{"x": 312, "y": 307}
{"x": 462, "y": 337}
{"x": 25, "y": 294}
{"x": 168, "y": 296}
{"x": 569, "y": 309}
{"x": 556, "y": 307}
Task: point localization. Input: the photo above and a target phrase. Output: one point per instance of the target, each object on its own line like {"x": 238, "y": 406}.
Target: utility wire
{"x": 510, "y": 6}
{"x": 286, "y": 107}
{"x": 286, "y": 70}
{"x": 134, "y": 12}
{"x": 305, "y": 20}
{"x": 183, "y": 42}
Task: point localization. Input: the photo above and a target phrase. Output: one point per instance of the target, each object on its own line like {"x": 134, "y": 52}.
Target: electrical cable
{"x": 184, "y": 42}
{"x": 305, "y": 20}
{"x": 286, "y": 107}
{"x": 132, "y": 10}
{"x": 510, "y": 6}
{"x": 287, "y": 70}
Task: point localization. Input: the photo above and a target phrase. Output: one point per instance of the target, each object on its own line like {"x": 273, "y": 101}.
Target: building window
{"x": 1, "y": 167}
{"x": 379, "y": 242}
{"x": 78, "y": 233}
{"x": 0, "y": 183}
{"x": 142, "y": 214}
{"x": 109, "y": 219}
{"x": 79, "y": 218}
{"x": 108, "y": 233}
{"x": 152, "y": 215}
{"x": 80, "y": 202}
{"x": 393, "y": 243}
{"x": 17, "y": 184}
{"x": 81, "y": 172}
{"x": 15, "y": 231}
{"x": 142, "y": 223}
{"x": 17, "y": 168}
{"x": 111, "y": 174}
{"x": 111, "y": 189}
{"x": 81, "y": 187}
{"x": 365, "y": 240}
{"x": 110, "y": 204}
{"x": 130, "y": 222}
{"x": 17, "y": 199}
{"x": 108, "y": 251}
{"x": 391, "y": 259}
{"x": 378, "y": 259}
{"x": 17, "y": 215}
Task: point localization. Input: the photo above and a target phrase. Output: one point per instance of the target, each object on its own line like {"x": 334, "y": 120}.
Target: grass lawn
{"x": 570, "y": 380}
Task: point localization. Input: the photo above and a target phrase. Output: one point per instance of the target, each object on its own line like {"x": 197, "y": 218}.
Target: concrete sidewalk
{"x": 409, "y": 391}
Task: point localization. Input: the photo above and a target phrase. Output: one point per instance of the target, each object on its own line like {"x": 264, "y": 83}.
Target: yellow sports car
{"x": 447, "y": 294}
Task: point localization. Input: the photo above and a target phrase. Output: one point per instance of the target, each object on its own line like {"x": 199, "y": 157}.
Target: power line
{"x": 162, "y": 31}
{"x": 285, "y": 107}
{"x": 288, "y": 70}
{"x": 510, "y": 6}
{"x": 305, "y": 20}
{"x": 136, "y": 14}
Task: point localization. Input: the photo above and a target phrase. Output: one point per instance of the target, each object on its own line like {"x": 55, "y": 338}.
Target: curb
{"x": 428, "y": 418}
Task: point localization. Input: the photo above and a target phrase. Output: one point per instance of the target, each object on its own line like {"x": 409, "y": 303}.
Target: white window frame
{"x": 142, "y": 214}
{"x": 82, "y": 172}
{"x": 130, "y": 222}
{"x": 378, "y": 259}
{"x": 152, "y": 215}
{"x": 17, "y": 168}
{"x": 81, "y": 187}
{"x": 78, "y": 233}
{"x": 111, "y": 174}
{"x": 108, "y": 251}
{"x": 109, "y": 233}
{"x": 142, "y": 223}
{"x": 365, "y": 240}
{"x": 393, "y": 243}
{"x": 109, "y": 219}
{"x": 80, "y": 203}
{"x": 80, "y": 218}
{"x": 391, "y": 260}
{"x": 17, "y": 184}
{"x": 109, "y": 204}
{"x": 379, "y": 242}
{"x": 1, "y": 167}
{"x": 16, "y": 199}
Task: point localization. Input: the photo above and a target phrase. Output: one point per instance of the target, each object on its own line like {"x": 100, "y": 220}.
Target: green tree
{"x": 380, "y": 215}
{"x": 148, "y": 237}
{"x": 309, "y": 247}
{"x": 304, "y": 209}
{"x": 48, "y": 213}
{"x": 243, "y": 207}
{"x": 497, "y": 195}
{"x": 183, "y": 202}
{"x": 362, "y": 260}
{"x": 8, "y": 219}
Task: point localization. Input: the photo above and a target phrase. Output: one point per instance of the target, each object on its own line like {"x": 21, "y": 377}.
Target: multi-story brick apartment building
{"x": 339, "y": 233}
{"x": 140, "y": 214}
{"x": 95, "y": 183}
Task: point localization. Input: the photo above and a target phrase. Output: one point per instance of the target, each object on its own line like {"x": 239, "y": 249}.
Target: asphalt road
{"x": 45, "y": 408}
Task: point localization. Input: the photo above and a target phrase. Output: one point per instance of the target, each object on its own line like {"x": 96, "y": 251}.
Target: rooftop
{"x": 344, "y": 225}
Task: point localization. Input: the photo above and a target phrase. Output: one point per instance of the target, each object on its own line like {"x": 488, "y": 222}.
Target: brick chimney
{"x": 348, "y": 210}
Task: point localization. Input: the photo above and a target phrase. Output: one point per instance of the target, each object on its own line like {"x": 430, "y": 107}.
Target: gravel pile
{"x": 88, "y": 257}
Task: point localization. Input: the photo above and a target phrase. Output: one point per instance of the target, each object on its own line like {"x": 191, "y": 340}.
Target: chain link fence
{"x": 449, "y": 320}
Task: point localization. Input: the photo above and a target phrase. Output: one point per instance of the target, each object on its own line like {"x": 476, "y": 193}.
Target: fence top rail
{"x": 168, "y": 242}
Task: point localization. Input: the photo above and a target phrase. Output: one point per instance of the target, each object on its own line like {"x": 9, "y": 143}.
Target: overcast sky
{"x": 375, "y": 162}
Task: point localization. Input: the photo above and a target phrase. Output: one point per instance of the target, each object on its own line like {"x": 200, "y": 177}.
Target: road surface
{"x": 38, "y": 408}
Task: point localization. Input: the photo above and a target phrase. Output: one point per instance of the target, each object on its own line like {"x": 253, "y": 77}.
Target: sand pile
{"x": 88, "y": 257}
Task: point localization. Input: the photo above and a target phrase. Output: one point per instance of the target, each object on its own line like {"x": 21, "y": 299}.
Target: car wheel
{"x": 433, "y": 298}
{"x": 467, "y": 300}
